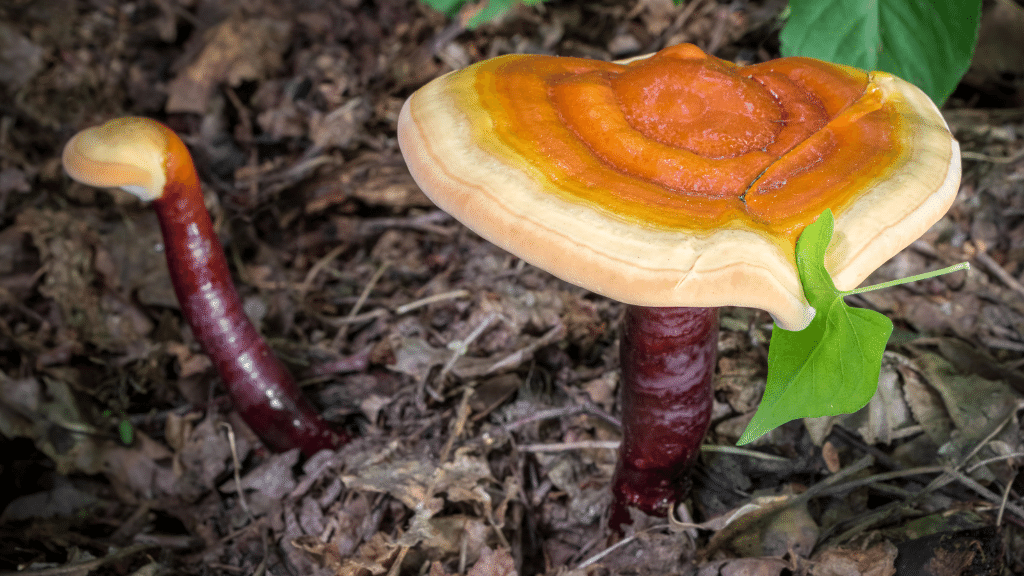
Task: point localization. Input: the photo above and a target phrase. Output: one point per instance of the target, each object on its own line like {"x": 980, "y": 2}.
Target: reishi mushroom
{"x": 148, "y": 159}
{"x": 677, "y": 183}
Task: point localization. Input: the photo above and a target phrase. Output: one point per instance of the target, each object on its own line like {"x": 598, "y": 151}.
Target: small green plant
{"x": 832, "y": 366}
{"x": 125, "y": 430}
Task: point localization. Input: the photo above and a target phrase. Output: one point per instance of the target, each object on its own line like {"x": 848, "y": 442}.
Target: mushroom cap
{"x": 681, "y": 179}
{"x": 130, "y": 153}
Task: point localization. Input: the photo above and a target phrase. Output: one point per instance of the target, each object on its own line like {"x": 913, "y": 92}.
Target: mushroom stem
{"x": 668, "y": 360}
{"x": 261, "y": 388}
{"x": 149, "y": 160}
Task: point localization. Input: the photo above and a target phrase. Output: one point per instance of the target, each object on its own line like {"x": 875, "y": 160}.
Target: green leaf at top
{"x": 832, "y": 366}
{"x": 492, "y": 11}
{"x": 926, "y": 42}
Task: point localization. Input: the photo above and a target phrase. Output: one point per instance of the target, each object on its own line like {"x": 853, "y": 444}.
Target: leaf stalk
{"x": 908, "y": 279}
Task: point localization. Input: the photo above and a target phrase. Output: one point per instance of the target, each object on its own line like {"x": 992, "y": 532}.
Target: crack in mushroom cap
{"x": 680, "y": 179}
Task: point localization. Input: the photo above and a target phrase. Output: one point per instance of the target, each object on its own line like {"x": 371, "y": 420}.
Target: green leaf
{"x": 447, "y": 7}
{"x": 486, "y": 10}
{"x": 927, "y": 43}
{"x": 492, "y": 11}
{"x": 832, "y": 366}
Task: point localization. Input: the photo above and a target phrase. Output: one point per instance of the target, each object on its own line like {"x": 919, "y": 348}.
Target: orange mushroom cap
{"x": 680, "y": 179}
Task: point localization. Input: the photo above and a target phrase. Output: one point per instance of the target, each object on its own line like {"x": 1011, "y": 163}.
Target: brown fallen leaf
{"x": 45, "y": 412}
{"x": 375, "y": 557}
{"x": 458, "y": 534}
{"x": 767, "y": 526}
{"x": 879, "y": 560}
{"x": 81, "y": 278}
{"x": 927, "y": 407}
{"x": 494, "y": 563}
{"x": 975, "y": 404}
{"x": 977, "y": 551}
{"x": 234, "y": 51}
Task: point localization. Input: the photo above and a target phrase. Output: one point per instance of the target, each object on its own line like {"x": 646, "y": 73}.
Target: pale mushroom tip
{"x": 129, "y": 153}
{"x": 149, "y": 160}
{"x": 591, "y": 170}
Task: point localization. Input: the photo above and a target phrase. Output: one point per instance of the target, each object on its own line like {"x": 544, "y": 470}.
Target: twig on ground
{"x": 357, "y": 362}
{"x": 985, "y": 493}
{"x": 600, "y": 555}
{"x": 995, "y": 431}
{"x": 562, "y": 413}
{"x": 567, "y": 446}
{"x": 998, "y": 271}
{"x": 452, "y": 295}
{"x": 458, "y": 425}
{"x": 343, "y": 329}
{"x": 982, "y": 157}
{"x": 357, "y": 319}
{"x": 1006, "y": 497}
{"x": 874, "y": 479}
{"x": 397, "y": 564}
{"x": 947, "y": 474}
{"x": 237, "y": 465}
{"x": 1002, "y": 344}
{"x": 315, "y": 269}
{"x": 995, "y": 459}
{"x": 86, "y": 565}
{"x": 519, "y": 356}
{"x": 460, "y": 347}
{"x": 429, "y": 223}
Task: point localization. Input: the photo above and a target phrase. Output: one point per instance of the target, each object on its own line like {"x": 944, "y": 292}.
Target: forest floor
{"x": 482, "y": 390}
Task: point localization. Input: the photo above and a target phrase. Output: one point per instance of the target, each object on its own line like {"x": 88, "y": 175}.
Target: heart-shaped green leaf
{"x": 926, "y": 43}
{"x": 832, "y": 366}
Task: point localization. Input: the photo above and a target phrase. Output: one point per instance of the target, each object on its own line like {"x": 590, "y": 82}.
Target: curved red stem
{"x": 262, "y": 389}
{"x": 668, "y": 360}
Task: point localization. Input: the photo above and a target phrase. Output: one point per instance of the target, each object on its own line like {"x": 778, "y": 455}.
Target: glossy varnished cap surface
{"x": 681, "y": 179}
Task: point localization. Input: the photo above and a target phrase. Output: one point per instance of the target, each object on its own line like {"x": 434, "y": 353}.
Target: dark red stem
{"x": 262, "y": 389}
{"x": 668, "y": 360}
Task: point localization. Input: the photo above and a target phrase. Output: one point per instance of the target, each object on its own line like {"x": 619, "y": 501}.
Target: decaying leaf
{"x": 927, "y": 407}
{"x": 457, "y": 534}
{"x": 494, "y": 563}
{"x": 375, "y": 557}
{"x": 234, "y": 51}
{"x": 975, "y": 404}
{"x": 415, "y": 482}
{"x": 78, "y": 276}
{"x": 405, "y": 480}
{"x": 767, "y": 526}
{"x": 45, "y": 411}
{"x": 272, "y": 478}
{"x": 879, "y": 560}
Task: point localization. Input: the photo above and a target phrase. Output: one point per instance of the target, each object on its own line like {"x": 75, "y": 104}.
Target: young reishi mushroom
{"x": 148, "y": 159}
{"x": 678, "y": 183}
